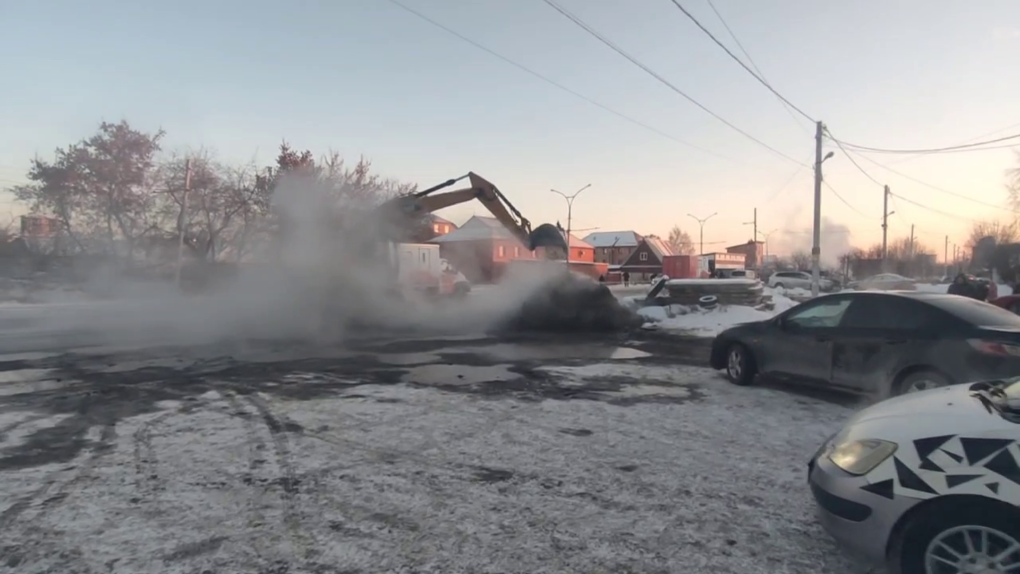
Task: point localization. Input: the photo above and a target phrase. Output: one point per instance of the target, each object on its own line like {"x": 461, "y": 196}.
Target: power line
{"x": 935, "y": 187}
{"x": 932, "y": 209}
{"x": 739, "y": 61}
{"x": 554, "y": 83}
{"x": 968, "y": 140}
{"x": 581, "y": 24}
{"x": 747, "y": 55}
{"x": 787, "y": 184}
{"x": 930, "y": 150}
{"x": 845, "y": 202}
{"x": 852, "y": 160}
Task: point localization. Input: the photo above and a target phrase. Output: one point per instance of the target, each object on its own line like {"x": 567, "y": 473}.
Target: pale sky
{"x": 366, "y": 77}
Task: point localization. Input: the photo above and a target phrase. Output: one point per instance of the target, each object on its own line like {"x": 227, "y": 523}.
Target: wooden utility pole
{"x": 816, "y": 236}
{"x": 181, "y": 221}
{"x": 754, "y": 238}
{"x": 885, "y": 227}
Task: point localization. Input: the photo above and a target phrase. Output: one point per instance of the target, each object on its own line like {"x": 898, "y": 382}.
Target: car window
{"x": 892, "y": 313}
{"x": 977, "y": 313}
{"x": 821, "y": 314}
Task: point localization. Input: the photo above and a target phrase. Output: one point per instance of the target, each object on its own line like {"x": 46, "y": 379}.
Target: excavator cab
{"x": 417, "y": 205}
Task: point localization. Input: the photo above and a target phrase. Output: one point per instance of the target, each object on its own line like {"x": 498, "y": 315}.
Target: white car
{"x": 928, "y": 482}
{"x": 797, "y": 280}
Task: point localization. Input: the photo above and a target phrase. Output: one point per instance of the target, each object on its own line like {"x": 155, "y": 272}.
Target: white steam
{"x": 327, "y": 272}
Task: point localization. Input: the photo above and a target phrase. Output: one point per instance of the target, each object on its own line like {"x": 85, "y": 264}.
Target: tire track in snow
{"x": 288, "y": 482}
{"x": 148, "y": 482}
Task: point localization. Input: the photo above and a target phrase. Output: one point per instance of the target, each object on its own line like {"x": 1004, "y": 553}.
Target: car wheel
{"x": 740, "y": 369}
{"x": 958, "y": 538}
{"x": 921, "y": 381}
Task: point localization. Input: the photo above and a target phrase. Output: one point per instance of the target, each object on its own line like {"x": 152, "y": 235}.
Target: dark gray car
{"x": 882, "y": 343}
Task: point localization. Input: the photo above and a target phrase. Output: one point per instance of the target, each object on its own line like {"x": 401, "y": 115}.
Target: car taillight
{"x": 995, "y": 348}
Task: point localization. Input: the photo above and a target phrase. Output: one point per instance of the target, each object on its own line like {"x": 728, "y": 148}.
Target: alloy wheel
{"x": 972, "y": 550}
{"x": 735, "y": 363}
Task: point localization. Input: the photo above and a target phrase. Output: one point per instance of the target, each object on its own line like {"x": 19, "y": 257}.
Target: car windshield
{"x": 977, "y": 313}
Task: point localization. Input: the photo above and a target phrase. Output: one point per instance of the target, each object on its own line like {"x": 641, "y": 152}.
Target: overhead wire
{"x": 931, "y": 150}
{"x": 845, "y": 202}
{"x": 554, "y": 83}
{"x": 755, "y": 75}
{"x": 595, "y": 33}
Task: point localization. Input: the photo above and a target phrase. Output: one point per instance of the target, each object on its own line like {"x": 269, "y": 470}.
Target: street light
{"x": 701, "y": 232}
{"x": 570, "y": 211}
{"x": 767, "y": 236}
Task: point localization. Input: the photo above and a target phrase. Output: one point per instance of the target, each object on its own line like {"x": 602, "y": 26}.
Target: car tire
{"x": 740, "y": 367}
{"x": 920, "y": 380}
{"x": 914, "y": 545}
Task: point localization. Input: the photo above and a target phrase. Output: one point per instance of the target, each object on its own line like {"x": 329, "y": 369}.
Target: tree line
{"x": 119, "y": 193}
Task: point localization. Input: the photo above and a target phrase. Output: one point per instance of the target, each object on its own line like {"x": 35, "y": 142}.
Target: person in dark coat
{"x": 964, "y": 287}
{"x": 626, "y": 278}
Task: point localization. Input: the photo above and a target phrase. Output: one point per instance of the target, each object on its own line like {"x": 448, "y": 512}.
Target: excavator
{"x": 405, "y": 212}
{"x": 417, "y": 264}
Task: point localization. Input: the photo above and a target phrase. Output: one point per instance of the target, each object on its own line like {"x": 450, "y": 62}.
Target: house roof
{"x": 574, "y": 242}
{"x": 745, "y": 244}
{"x": 613, "y": 239}
{"x": 658, "y": 246}
{"x": 477, "y": 228}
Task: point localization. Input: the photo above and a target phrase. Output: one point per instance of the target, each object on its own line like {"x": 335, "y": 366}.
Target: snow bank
{"x": 702, "y": 282}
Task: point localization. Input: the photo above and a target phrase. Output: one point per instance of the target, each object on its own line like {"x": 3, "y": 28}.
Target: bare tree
{"x": 801, "y": 260}
{"x": 1002, "y": 232}
{"x": 680, "y": 241}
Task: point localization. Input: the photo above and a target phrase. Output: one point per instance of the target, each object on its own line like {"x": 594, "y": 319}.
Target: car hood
{"x": 926, "y": 413}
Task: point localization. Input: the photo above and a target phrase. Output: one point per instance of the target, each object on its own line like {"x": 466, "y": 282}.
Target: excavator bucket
{"x": 547, "y": 235}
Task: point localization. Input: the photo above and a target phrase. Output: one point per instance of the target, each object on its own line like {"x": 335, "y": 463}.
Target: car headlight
{"x": 861, "y": 456}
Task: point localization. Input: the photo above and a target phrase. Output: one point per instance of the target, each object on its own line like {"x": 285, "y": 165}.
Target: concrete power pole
{"x": 945, "y": 256}
{"x": 816, "y": 240}
{"x": 181, "y": 221}
{"x": 885, "y": 228}
{"x": 754, "y": 238}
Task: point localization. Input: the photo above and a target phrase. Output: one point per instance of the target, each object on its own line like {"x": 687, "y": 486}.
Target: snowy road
{"x": 444, "y": 456}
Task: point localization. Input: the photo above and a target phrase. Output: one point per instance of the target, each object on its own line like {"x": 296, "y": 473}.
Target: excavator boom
{"x": 424, "y": 202}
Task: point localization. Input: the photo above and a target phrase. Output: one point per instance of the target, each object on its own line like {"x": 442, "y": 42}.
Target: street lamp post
{"x": 767, "y": 236}
{"x": 570, "y": 212}
{"x": 701, "y": 231}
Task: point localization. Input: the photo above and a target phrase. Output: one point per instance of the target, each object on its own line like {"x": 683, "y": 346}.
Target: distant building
{"x": 481, "y": 249}
{"x": 753, "y": 252}
{"x": 646, "y": 260}
{"x": 613, "y": 247}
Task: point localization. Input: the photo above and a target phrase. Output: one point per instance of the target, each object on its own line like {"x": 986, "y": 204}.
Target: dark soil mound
{"x": 571, "y": 303}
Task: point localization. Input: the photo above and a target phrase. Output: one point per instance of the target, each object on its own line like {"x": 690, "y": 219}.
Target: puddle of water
{"x": 20, "y": 388}
{"x": 636, "y": 391}
{"x": 528, "y": 352}
{"x": 458, "y": 374}
{"x": 407, "y": 358}
{"x": 25, "y": 375}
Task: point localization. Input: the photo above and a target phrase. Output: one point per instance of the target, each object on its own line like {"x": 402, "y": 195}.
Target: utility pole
{"x": 754, "y": 238}
{"x": 701, "y": 232}
{"x": 911, "y": 252}
{"x": 885, "y": 228}
{"x": 570, "y": 212}
{"x": 945, "y": 255}
{"x": 816, "y": 243}
{"x": 180, "y": 222}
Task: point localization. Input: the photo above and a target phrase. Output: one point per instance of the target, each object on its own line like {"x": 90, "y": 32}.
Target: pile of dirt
{"x": 572, "y": 303}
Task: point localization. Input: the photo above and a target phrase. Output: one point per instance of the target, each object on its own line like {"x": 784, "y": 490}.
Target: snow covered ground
{"x": 604, "y": 468}
{"x": 709, "y": 323}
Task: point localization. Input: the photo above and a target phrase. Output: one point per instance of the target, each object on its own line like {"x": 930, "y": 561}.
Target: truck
{"x": 419, "y": 268}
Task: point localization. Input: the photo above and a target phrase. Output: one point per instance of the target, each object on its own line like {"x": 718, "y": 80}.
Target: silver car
{"x": 927, "y": 483}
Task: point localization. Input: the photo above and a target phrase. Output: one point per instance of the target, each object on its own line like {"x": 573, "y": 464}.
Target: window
{"x": 891, "y": 312}
{"x": 517, "y": 251}
{"x": 580, "y": 253}
{"x": 824, "y": 314}
{"x": 435, "y": 227}
{"x": 977, "y": 313}
{"x": 501, "y": 251}
{"x": 643, "y": 256}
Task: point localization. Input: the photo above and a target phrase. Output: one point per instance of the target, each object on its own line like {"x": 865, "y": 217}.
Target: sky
{"x": 368, "y": 78}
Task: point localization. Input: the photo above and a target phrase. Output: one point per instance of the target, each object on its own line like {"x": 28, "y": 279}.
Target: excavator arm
{"x": 424, "y": 202}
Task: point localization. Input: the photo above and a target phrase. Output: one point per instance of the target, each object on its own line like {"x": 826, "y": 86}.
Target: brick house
{"x": 753, "y": 252}
{"x": 646, "y": 260}
{"x": 440, "y": 225}
{"x": 481, "y": 249}
{"x": 613, "y": 247}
